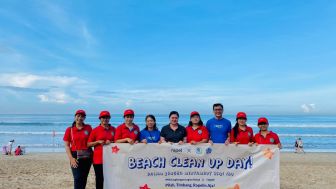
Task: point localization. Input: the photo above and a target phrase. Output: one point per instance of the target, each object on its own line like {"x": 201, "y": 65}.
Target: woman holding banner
{"x": 79, "y": 154}
{"x": 150, "y": 134}
{"x": 196, "y": 131}
{"x": 173, "y": 132}
{"x": 102, "y": 135}
{"x": 128, "y": 132}
{"x": 265, "y": 136}
{"x": 241, "y": 133}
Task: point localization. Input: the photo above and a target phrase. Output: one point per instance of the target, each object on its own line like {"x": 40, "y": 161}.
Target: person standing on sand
{"x": 150, "y": 134}
{"x": 9, "y": 147}
{"x": 219, "y": 128}
{"x": 241, "y": 133}
{"x": 196, "y": 131}
{"x": 128, "y": 132}
{"x": 299, "y": 146}
{"x": 79, "y": 154}
{"x": 102, "y": 135}
{"x": 173, "y": 132}
{"x": 265, "y": 136}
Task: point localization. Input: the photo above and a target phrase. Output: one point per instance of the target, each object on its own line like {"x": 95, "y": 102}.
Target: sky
{"x": 260, "y": 57}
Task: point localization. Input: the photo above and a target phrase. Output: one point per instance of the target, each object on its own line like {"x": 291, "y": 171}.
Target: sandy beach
{"x": 51, "y": 170}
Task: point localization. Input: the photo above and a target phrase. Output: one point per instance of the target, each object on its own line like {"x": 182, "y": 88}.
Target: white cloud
{"x": 58, "y": 97}
{"x": 31, "y": 80}
{"x": 307, "y": 108}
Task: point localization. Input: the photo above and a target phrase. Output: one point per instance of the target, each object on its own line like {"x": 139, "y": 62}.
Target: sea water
{"x": 44, "y": 133}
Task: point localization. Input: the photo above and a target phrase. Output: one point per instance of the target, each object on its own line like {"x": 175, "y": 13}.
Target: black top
{"x": 173, "y": 136}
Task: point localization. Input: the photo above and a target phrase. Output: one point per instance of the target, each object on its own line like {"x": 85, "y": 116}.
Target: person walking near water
{"x": 102, "y": 135}
{"x": 10, "y": 147}
{"x": 299, "y": 146}
{"x": 80, "y": 156}
{"x": 219, "y": 128}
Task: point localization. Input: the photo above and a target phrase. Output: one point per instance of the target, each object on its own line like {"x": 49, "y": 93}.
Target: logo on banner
{"x": 198, "y": 150}
{"x": 208, "y": 150}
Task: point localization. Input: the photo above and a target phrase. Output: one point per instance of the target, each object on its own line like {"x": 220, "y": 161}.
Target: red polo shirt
{"x": 271, "y": 138}
{"x": 100, "y": 133}
{"x": 243, "y": 137}
{"x": 198, "y": 134}
{"x": 123, "y": 131}
{"x": 79, "y": 138}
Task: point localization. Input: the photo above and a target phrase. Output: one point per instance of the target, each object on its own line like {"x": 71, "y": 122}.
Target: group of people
{"x": 7, "y": 150}
{"x": 79, "y": 138}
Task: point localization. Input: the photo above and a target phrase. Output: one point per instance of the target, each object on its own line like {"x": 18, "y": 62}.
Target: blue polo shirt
{"x": 218, "y": 129}
{"x": 150, "y": 136}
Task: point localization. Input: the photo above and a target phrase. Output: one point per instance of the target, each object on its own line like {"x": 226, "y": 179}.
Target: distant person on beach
{"x": 103, "y": 134}
{"x": 196, "y": 132}
{"x": 18, "y": 151}
{"x": 173, "y": 132}
{"x": 79, "y": 154}
{"x": 150, "y": 134}
{"x": 219, "y": 127}
{"x": 9, "y": 147}
{"x": 265, "y": 136}
{"x": 299, "y": 146}
{"x": 128, "y": 132}
{"x": 241, "y": 133}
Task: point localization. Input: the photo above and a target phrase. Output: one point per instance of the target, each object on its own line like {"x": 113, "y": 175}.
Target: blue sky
{"x": 260, "y": 57}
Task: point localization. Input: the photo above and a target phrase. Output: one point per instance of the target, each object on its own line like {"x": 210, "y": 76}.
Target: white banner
{"x": 166, "y": 166}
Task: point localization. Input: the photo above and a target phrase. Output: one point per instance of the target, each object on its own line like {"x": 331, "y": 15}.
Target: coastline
{"x": 37, "y": 170}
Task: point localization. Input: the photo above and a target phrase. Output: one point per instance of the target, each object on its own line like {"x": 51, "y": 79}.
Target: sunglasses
{"x": 105, "y": 117}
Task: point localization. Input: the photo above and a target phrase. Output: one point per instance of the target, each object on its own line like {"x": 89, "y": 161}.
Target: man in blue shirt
{"x": 219, "y": 128}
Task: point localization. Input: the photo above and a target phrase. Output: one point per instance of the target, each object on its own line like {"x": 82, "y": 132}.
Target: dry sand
{"x": 52, "y": 171}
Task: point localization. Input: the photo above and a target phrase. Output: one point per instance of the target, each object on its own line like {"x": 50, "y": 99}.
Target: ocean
{"x": 35, "y": 132}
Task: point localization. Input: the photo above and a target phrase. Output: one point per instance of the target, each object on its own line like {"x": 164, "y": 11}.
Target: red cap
{"x": 128, "y": 112}
{"x": 104, "y": 114}
{"x": 241, "y": 115}
{"x": 262, "y": 120}
{"x": 194, "y": 113}
{"x": 81, "y": 112}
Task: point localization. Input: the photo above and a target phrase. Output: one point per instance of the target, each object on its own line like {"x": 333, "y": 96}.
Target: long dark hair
{"x": 236, "y": 130}
{"x": 74, "y": 122}
{"x": 153, "y": 117}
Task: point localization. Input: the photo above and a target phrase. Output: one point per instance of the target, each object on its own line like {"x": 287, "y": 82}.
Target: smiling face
{"x": 218, "y": 111}
{"x": 241, "y": 121}
{"x": 173, "y": 119}
{"x": 195, "y": 119}
{"x": 150, "y": 123}
{"x": 129, "y": 119}
{"x": 79, "y": 118}
{"x": 263, "y": 126}
{"x": 104, "y": 120}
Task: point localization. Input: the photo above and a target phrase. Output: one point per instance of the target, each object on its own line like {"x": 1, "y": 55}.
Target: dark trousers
{"x": 81, "y": 173}
{"x": 98, "y": 168}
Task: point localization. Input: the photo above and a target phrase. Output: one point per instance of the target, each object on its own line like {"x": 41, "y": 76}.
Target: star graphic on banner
{"x": 115, "y": 149}
{"x": 268, "y": 153}
{"x": 144, "y": 187}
